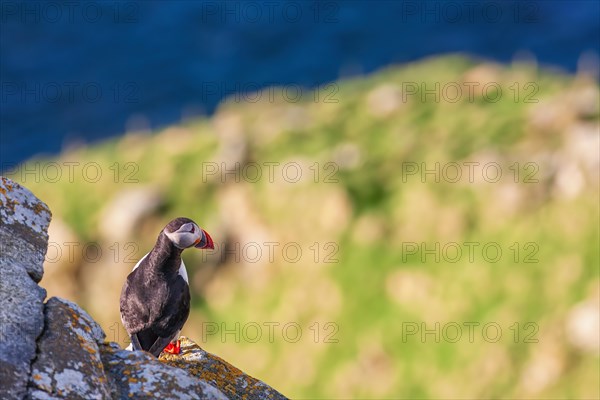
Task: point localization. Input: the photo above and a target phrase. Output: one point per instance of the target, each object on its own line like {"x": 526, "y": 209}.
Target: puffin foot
{"x": 173, "y": 348}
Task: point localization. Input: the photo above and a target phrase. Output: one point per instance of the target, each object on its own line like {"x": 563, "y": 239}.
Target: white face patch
{"x": 185, "y": 236}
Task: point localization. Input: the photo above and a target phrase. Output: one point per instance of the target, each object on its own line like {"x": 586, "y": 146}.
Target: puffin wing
{"x": 153, "y": 325}
{"x": 131, "y": 307}
{"x": 153, "y": 317}
{"x": 155, "y": 338}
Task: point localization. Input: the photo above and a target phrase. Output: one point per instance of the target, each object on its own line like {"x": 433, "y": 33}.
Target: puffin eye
{"x": 193, "y": 230}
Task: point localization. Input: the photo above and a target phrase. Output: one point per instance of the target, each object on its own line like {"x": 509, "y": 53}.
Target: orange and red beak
{"x": 205, "y": 242}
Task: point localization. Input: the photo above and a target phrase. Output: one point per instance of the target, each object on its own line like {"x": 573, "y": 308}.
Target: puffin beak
{"x": 205, "y": 244}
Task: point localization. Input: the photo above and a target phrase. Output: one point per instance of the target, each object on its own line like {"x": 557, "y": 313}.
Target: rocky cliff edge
{"x": 54, "y": 349}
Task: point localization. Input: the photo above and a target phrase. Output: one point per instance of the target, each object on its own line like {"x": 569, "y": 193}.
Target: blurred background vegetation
{"x": 362, "y": 210}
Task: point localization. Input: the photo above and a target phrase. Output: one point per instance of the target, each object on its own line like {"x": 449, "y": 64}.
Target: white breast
{"x": 139, "y": 262}
{"x": 182, "y": 270}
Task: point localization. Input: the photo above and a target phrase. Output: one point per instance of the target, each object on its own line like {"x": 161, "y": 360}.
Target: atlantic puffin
{"x": 155, "y": 299}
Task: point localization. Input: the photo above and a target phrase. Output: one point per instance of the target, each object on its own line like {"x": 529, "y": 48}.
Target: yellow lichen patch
{"x": 211, "y": 368}
{"x": 10, "y": 204}
{"x": 39, "y": 207}
{"x": 88, "y": 348}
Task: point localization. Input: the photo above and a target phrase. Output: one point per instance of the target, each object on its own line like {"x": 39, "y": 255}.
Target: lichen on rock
{"x": 24, "y": 217}
{"x": 23, "y": 239}
{"x": 210, "y": 368}
{"x": 140, "y": 375}
{"x": 68, "y": 363}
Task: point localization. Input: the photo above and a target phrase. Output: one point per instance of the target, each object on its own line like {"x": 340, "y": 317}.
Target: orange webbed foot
{"x": 173, "y": 348}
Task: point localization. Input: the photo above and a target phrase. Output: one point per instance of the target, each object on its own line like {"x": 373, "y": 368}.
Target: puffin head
{"x": 185, "y": 233}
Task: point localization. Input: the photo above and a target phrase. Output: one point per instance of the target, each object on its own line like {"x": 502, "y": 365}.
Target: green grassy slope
{"x": 363, "y": 218}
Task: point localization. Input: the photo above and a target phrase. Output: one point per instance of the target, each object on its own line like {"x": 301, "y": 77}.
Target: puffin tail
{"x": 147, "y": 340}
{"x": 158, "y": 346}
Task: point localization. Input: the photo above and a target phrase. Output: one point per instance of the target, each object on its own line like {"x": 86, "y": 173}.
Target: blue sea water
{"x": 73, "y": 71}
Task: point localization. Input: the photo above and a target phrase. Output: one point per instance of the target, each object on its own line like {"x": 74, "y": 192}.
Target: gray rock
{"x": 24, "y": 228}
{"x": 22, "y": 321}
{"x": 23, "y": 240}
{"x": 141, "y": 376}
{"x": 68, "y": 362}
{"x": 219, "y": 373}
